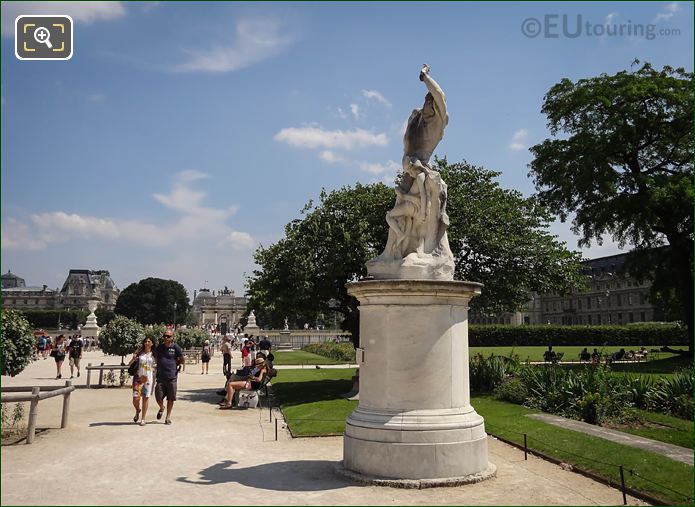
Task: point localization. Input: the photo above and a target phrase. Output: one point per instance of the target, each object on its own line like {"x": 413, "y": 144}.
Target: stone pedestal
{"x": 284, "y": 340}
{"x": 414, "y": 421}
{"x": 91, "y": 329}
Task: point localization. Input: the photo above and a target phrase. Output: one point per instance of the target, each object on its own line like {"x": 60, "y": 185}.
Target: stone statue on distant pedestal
{"x": 417, "y": 245}
{"x": 287, "y": 326}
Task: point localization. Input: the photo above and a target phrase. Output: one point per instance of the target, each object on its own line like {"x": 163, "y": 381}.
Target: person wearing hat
{"x": 205, "y": 357}
{"x": 168, "y": 355}
{"x": 251, "y": 382}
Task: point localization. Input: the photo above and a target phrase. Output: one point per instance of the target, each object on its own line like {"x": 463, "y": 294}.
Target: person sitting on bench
{"x": 618, "y": 356}
{"x": 248, "y": 381}
{"x": 584, "y": 355}
{"x": 549, "y": 356}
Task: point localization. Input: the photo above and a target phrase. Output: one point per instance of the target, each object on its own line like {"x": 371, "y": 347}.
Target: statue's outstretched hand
{"x": 425, "y": 70}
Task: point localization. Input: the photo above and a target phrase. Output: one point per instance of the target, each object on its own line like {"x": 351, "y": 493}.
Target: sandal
{"x": 225, "y": 407}
{"x": 137, "y": 416}
{"x": 160, "y": 413}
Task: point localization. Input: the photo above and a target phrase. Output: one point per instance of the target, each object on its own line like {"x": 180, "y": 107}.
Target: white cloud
{"x": 378, "y": 168}
{"x": 342, "y": 113}
{"x": 317, "y": 137}
{"x": 85, "y": 12}
{"x": 256, "y": 40}
{"x": 375, "y": 95}
{"x": 238, "y": 240}
{"x": 195, "y": 222}
{"x": 669, "y": 10}
{"x": 610, "y": 17}
{"x": 331, "y": 157}
{"x": 191, "y": 175}
{"x": 518, "y": 140}
{"x": 96, "y": 98}
{"x": 355, "y": 110}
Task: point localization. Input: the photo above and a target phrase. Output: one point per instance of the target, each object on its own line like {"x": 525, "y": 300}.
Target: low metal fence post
{"x": 622, "y": 485}
{"x": 101, "y": 376}
{"x": 525, "y": 448}
{"x": 276, "y": 429}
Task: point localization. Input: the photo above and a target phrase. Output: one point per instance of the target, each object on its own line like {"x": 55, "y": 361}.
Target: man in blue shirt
{"x": 168, "y": 356}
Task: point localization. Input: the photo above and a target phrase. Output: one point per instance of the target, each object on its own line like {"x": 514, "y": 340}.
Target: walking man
{"x": 226, "y": 357}
{"x": 168, "y": 356}
{"x": 75, "y": 355}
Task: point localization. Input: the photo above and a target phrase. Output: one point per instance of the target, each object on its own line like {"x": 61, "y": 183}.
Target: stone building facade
{"x": 79, "y": 287}
{"x": 611, "y": 297}
{"x": 221, "y": 308}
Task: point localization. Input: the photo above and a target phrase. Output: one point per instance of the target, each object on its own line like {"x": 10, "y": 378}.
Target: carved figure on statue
{"x": 417, "y": 246}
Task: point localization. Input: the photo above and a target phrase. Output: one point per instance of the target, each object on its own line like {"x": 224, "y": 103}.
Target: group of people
{"x": 621, "y": 355}
{"x": 256, "y": 359}
{"x": 169, "y": 358}
{"x": 71, "y": 347}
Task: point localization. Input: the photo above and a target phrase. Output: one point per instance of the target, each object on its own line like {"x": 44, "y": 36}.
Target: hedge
{"x": 336, "y": 351}
{"x": 634, "y": 335}
{"x": 49, "y": 318}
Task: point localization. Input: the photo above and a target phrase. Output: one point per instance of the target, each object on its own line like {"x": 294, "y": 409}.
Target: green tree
{"x": 189, "y": 338}
{"x": 498, "y": 237}
{"x": 17, "y": 343}
{"x": 121, "y": 336}
{"x": 621, "y": 159}
{"x": 154, "y": 301}
{"x": 304, "y": 274}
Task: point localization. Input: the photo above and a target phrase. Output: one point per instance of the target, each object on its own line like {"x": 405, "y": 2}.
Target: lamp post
{"x": 175, "y": 304}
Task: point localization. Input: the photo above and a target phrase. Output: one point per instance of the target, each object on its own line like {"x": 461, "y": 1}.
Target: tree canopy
{"x": 17, "y": 343}
{"x": 621, "y": 160}
{"x": 121, "y": 336}
{"x": 154, "y": 301}
{"x": 498, "y": 237}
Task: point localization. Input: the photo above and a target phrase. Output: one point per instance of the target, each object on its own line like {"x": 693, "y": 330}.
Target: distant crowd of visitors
{"x": 155, "y": 369}
{"x": 60, "y": 347}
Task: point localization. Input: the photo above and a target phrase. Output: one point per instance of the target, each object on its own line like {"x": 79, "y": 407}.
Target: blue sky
{"x": 182, "y": 135}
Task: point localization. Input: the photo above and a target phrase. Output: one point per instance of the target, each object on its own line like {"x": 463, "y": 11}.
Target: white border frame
{"x": 72, "y": 36}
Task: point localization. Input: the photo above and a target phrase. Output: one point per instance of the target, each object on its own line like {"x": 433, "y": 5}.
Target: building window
{"x": 588, "y": 305}
{"x": 618, "y": 299}
{"x": 641, "y": 317}
{"x": 631, "y": 317}
{"x": 26, "y": 302}
{"x": 620, "y": 318}
{"x": 598, "y": 320}
{"x": 629, "y": 299}
{"x": 589, "y": 318}
{"x": 579, "y": 304}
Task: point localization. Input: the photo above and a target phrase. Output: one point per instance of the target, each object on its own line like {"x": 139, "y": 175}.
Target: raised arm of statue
{"x": 436, "y": 91}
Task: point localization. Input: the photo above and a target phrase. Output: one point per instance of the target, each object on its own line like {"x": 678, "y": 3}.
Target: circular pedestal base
{"x": 488, "y": 473}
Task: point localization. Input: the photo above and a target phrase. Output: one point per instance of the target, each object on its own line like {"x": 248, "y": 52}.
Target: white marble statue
{"x": 417, "y": 245}
{"x": 287, "y": 325}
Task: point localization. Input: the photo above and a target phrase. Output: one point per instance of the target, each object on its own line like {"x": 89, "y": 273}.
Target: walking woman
{"x": 143, "y": 382}
{"x": 58, "y": 354}
{"x": 205, "y": 357}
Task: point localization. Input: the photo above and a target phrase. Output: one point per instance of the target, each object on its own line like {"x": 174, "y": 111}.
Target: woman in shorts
{"x": 143, "y": 382}
{"x": 58, "y": 354}
{"x": 252, "y": 381}
{"x": 205, "y": 357}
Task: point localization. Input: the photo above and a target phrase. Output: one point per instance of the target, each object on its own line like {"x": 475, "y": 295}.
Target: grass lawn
{"x": 666, "y": 428}
{"x": 311, "y": 400}
{"x": 312, "y": 404}
{"x": 301, "y": 357}
{"x": 571, "y": 352}
{"x": 598, "y": 455}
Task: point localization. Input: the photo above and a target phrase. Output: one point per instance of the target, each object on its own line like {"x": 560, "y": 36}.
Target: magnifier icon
{"x": 43, "y": 36}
